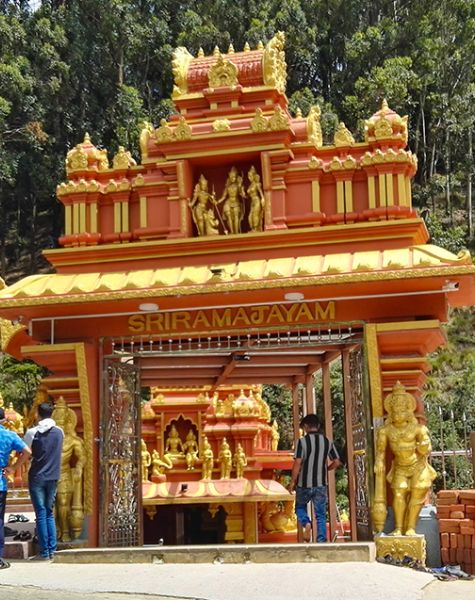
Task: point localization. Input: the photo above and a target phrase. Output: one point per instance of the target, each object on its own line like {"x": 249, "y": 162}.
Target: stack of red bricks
{"x": 456, "y": 514}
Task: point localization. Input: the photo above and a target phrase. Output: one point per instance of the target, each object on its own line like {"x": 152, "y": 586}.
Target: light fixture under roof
{"x": 294, "y": 296}
{"x": 148, "y": 306}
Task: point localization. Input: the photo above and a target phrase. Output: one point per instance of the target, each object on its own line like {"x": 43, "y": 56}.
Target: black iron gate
{"x": 121, "y": 494}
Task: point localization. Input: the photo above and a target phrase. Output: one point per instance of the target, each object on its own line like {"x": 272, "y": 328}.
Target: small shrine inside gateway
{"x": 236, "y": 247}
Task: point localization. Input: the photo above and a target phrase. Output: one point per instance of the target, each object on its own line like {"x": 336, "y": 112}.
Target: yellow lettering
{"x": 201, "y": 320}
{"x": 221, "y": 321}
{"x": 304, "y": 313}
{"x": 275, "y": 313}
{"x": 181, "y": 317}
{"x": 289, "y": 312}
{"x": 241, "y": 316}
{"x": 327, "y": 314}
{"x": 154, "y": 321}
{"x": 257, "y": 314}
{"x": 136, "y": 324}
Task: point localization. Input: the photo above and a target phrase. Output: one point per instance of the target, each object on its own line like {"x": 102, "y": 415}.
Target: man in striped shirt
{"x": 314, "y": 456}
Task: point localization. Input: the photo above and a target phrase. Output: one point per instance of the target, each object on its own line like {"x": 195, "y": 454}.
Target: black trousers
{"x": 3, "y": 502}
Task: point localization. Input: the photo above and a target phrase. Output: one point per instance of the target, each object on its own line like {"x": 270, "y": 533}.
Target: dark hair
{"x": 45, "y": 410}
{"x": 2, "y": 413}
{"x": 310, "y": 421}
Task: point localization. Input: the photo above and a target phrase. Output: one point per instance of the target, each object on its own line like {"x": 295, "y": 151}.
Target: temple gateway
{"x": 241, "y": 251}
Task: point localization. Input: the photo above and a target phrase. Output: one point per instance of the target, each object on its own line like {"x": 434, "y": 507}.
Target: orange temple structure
{"x": 241, "y": 251}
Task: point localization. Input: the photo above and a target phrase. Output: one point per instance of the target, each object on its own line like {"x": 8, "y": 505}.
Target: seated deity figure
{"x": 146, "y": 460}
{"x": 410, "y": 475}
{"x": 240, "y": 461}
{"x": 199, "y": 206}
{"x": 174, "y": 445}
{"x": 69, "y": 493}
{"x": 159, "y": 465}
{"x": 190, "y": 448}
{"x": 226, "y": 459}
{"x": 233, "y": 198}
{"x": 207, "y": 460}
{"x": 256, "y": 195}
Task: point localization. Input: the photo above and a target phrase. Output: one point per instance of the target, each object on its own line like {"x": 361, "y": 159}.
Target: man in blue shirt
{"x": 46, "y": 443}
{"x": 9, "y": 442}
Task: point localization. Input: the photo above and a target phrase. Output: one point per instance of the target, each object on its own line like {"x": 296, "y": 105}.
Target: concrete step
{"x": 226, "y": 554}
{"x": 18, "y": 550}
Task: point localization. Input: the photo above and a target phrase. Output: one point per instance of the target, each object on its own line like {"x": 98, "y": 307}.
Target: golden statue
{"x": 240, "y": 461}
{"x": 190, "y": 447}
{"x": 69, "y": 494}
{"x": 226, "y": 459}
{"x": 207, "y": 458}
{"x": 146, "y": 460}
{"x": 159, "y": 465}
{"x": 199, "y": 207}
{"x": 255, "y": 193}
{"x": 233, "y": 198}
{"x": 174, "y": 445}
{"x": 410, "y": 475}
{"x": 275, "y": 436}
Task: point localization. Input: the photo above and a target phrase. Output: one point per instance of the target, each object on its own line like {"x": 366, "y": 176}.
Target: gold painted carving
{"x": 190, "y": 448}
{"x": 399, "y": 547}
{"x": 314, "y": 128}
{"x": 223, "y": 74}
{"x": 123, "y": 159}
{"x": 159, "y": 465}
{"x": 180, "y": 63}
{"x": 314, "y": 163}
{"x": 410, "y": 475}
{"x": 203, "y": 214}
{"x": 274, "y": 65}
{"x": 8, "y": 330}
{"x": 279, "y": 120}
{"x": 86, "y": 419}
{"x": 207, "y": 460}
{"x": 275, "y": 436}
{"x": 222, "y": 125}
{"x": 145, "y": 460}
{"x": 233, "y": 197}
{"x": 256, "y": 195}
{"x": 164, "y": 133}
{"x": 145, "y": 133}
{"x": 182, "y": 130}
{"x": 343, "y": 136}
{"x": 225, "y": 459}
{"x": 259, "y": 122}
{"x": 174, "y": 445}
{"x": 76, "y": 159}
{"x": 240, "y": 461}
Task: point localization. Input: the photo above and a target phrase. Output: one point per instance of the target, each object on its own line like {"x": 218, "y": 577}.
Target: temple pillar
{"x": 327, "y": 409}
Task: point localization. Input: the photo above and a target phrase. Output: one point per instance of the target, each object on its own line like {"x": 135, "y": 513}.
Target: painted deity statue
{"x": 69, "y": 493}
{"x": 159, "y": 465}
{"x": 275, "y": 436}
{"x": 410, "y": 475}
{"x": 233, "y": 198}
{"x": 240, "y": 461}
{"x": 256, "y": 195}
{"x": 204, "y": 221}
{"x": 207, "y": 458}
{"x": 225, "y": 459}
{"x": 174, "y": 445}
{"x": 146, "y": 460}
{"x": 190, "y": 447}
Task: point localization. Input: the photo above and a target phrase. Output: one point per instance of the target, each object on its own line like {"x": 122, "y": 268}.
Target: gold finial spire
{"x": 231, "y": 49}
{"x": 260, "y": 45}
{"x": 216, "y": 51}
{"x": 384, "y": 105}
{"x": 201, "y": 52}
{"x": 247, "y": 48}
{"x": 298, "y": 113}
{"x": 87, "y": 139}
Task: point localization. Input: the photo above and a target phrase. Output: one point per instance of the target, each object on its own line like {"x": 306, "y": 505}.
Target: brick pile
{"x": 456, "y": 515}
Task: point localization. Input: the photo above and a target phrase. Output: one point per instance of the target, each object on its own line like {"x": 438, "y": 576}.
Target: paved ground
{"x": 336, "y": 581}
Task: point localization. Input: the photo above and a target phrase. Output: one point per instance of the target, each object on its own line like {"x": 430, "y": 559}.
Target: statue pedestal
{"x": 399, "y": 546}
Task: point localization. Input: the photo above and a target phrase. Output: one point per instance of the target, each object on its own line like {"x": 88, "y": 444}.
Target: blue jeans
{"x": 43, "y": 494}
{"x": 318, "y": 495}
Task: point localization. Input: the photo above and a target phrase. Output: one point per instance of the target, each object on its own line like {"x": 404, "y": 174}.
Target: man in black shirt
{"x": 314, "y": 456}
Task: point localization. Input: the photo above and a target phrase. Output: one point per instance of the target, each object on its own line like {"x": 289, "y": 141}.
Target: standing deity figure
{"x": 69, "y": 493}
{"x": 146, "y": 460}
{"x": 255, "y": 193}
{"x": 190, "y": 447}
{"x": 240, "y": 461}
{"x": 199, "y": 207}
{"x": 233, "y": 198}
{"x": 275, "y": 435}
{"x": 207, "y": 458}
{"x": 174, "y": 445}
{"x": 160, "y": 464}
{"x": 410, "y": 475}
{"x": 226, "y": 459}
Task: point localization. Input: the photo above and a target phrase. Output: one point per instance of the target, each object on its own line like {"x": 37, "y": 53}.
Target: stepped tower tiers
{"x": 240, "y": 250}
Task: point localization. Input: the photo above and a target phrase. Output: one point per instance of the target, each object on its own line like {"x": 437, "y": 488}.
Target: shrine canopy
{"x": 237, "y": 204}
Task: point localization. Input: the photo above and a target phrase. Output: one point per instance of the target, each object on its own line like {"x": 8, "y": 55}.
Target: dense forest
{"x": 71, "y": 66}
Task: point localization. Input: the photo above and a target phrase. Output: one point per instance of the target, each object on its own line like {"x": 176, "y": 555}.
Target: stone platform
{"x": 224, "y": 554}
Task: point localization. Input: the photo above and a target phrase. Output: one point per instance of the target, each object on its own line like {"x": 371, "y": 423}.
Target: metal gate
{"x": 121, "y": 493}
{"x": 362, "y": 444}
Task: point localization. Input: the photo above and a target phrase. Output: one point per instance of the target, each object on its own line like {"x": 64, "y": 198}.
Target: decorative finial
{"x": 384, "y": 105}
{"x": 201, "y": 52}
{"x": 231, "y": 49}
{"x": 260, "y": 45}
{"x": 216, "y": 51}
{"x": 87, "y": 139}
{"x": 298, "y": 113}
{"x": 247, "y": 48}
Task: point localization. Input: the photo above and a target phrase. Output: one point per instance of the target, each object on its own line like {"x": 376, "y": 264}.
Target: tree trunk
{"x": 469, "y": 184}
{"x": 448, "y": 198}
